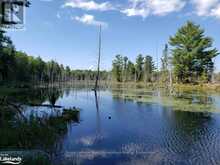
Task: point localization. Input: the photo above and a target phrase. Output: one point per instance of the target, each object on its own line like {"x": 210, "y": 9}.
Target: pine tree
{"x": 131, "y": 71}
{"x": 165, "y": 64}
{"x": 125, "y": 68}
{"x": 192, "y": 54}
{"x": 148, "y": 68}
{"x": 117, "y": 68}
{"x": 139, "y": 67}
{"x": 164, "y": 58}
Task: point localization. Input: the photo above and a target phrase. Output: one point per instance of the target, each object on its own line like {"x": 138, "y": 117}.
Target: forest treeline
{"x": 125, "y": 70}
{"x": 188, "y": 58}
{"x": 20, "y": 67}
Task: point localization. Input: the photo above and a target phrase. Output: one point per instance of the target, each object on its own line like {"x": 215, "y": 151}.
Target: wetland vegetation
{"x": 140, "y": 113}
{"x": 115, "y": 126}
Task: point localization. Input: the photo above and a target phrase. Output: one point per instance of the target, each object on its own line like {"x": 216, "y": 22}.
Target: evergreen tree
{"x": 117, "y": 68}
{"x": 148, "y": 68}
{"x": 165, "y": 64}
{"x": 7, "y": 52}
{"x": 139, "y": 67}
{"x": 165, "y": 59}
{"x": 131, "y": 71}
{"x": 125, "y": 68}
{"x": 192, "y": 53}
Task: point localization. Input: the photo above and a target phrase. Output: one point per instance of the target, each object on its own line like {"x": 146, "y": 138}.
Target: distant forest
{"x": 18, "y": 66}
{"x": 187, "y": 58}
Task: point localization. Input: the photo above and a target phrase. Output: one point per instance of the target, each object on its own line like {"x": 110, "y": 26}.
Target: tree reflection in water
{"x": 53, "y": 95}
{"x": 37, "y": 132}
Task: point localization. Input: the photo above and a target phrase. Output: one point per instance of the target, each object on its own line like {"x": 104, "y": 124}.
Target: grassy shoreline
{"x": 176, "y": 86}
{"x": 204, "y": 87}
{"x": 185, "y": 97}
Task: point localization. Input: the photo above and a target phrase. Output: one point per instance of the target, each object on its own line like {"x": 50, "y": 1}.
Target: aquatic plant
{"x": 34, "y": 132}
{"x": 177, "y": 100}
{"x": 71, "y": 114}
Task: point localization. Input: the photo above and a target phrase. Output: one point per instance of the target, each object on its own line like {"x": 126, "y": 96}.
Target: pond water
{"x": 121, "y": 127}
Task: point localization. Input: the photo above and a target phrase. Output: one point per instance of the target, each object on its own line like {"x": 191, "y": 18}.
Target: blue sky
{"x": 67, "y": 30}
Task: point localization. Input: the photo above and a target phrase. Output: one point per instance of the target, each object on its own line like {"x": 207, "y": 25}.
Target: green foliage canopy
{"x": 192, "y": 54}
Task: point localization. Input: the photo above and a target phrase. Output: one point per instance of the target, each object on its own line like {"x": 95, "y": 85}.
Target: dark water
{"x": 120, "y": 131}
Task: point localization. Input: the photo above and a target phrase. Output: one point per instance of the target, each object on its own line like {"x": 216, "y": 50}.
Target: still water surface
{"x": 115, "y": 130}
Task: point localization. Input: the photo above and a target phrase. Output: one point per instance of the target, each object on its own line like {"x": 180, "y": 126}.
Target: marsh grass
{"x": 212, "y": 87}
{"x": 199, "y": 87}
{"x": 41, "y": 133}
{"x": 177, "y": 100}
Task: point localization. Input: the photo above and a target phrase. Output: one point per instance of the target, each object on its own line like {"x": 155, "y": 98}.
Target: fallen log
{"x": 44, "y": 105}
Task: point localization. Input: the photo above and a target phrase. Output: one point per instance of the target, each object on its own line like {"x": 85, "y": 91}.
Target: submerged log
{"x": 45, "y": 105}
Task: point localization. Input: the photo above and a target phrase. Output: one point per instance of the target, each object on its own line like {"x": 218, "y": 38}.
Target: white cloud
{"x": 208, "y": 8}
{"x": 136, "y": 12}
{"x": 144, "y": 8}
{"x": 89, "y": 140}
{"x": 163, "y": 7}
{"x": 203, "y": 7}
{"x": 216, "y": 11}
{"x": 90, "y": 20}
{"x": 137, "y": 8}
{"x": 89, "y": 5}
